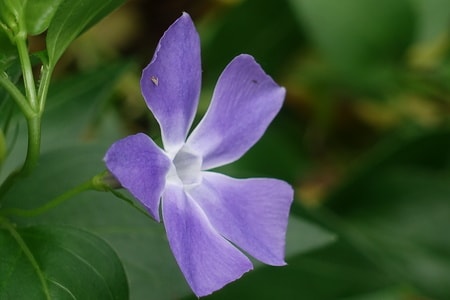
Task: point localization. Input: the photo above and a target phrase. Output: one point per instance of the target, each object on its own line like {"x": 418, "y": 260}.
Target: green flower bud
{"x": 105, "y": 182}
{"x": 11, "y": 17}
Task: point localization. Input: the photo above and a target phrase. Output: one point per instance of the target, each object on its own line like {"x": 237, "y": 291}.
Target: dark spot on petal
{"x": 254, "y": 81}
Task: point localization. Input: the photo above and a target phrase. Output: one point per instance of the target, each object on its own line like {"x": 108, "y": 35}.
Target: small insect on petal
{"x": 155, "y": 80}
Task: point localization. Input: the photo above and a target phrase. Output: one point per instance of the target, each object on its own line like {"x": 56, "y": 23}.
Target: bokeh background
{"x": 363, "y": 136}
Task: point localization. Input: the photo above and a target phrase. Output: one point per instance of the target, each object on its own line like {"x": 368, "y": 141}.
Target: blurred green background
{"x": 363, "y": 136}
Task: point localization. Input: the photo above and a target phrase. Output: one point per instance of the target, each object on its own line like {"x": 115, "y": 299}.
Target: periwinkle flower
{"x": 207, "y": 215}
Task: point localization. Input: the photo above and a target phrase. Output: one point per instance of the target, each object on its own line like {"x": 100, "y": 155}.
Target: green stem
{"x": 12, "y": 230}
{"x": 27, "y": 72}
{"x": 16, "y": 95}
{"x": 130, "y": 202}
{"x": 44, "y": 84}
{"x": 33, "y": 150}
{"x": 49, "y": 205}
{"x": 34, "y": 143}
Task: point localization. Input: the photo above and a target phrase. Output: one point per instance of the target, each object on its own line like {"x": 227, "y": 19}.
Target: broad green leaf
{"x": 53, "y": 262}
{"x": 71, "y": 19}
{"x": 38, "y": 15}
{"x": 77, "y": 104}
{"x": 362, "y": 40}
{"x": 433, "y": 19}
{"x": 396, "y": 210}
{"x": 7, "y": 51}
{"x": 304, "y": 236}
{"x": 408, "y": 234}
{"x": 11, "y": 13}
{"x": 73, "y": 108}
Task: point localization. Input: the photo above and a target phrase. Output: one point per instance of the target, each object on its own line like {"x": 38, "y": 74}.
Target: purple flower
{"x": 207, "y": 215}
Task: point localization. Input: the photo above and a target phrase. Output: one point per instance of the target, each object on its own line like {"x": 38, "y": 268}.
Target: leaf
{"x": 304, "y": 236}
{"x": 38, "y": 15}
{"x": 7, "y": 51}
{"x": 433, "y": 19}
{"x": 65, "y": 263}
{"x": 396, "y": 211}
{"x": 73, "y": 106}
{"x": 11, "y": 13}
{"x": 71, "y": 19}
{"x": 76, "y": 103}
{"x": 362, "y": 40}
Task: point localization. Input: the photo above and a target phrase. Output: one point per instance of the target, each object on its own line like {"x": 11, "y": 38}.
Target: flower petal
{"x": 171, "y": 82}
{"x": 207, "y": 260}
{"x": 251, "y": 213}
{"x": 244, "y": 103}
{"x": 141, "y": 167}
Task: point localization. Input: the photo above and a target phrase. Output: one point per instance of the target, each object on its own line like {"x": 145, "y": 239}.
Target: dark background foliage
{"x": 363, "y": 137}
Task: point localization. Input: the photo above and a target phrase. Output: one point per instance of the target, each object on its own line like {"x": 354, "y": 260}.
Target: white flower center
{"x": 186, "y": 168}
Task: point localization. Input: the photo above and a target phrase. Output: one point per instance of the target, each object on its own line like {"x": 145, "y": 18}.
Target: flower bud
{"x": 105, "y": 182}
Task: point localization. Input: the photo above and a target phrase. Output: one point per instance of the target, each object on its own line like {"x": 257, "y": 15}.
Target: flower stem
{"x": 32, "y": 107}
{"x": 34, "y": 143}
{"x": 33, "y": 150}
{"x": 27, "y": 72}
{"x": 16, "y": 95}
{"x": 130, "y": 202}
{"x": 49, "y": 205}
{"x": 44, "y": 84}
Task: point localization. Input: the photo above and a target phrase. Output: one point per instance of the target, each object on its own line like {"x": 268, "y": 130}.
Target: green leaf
{"x": 11, "y": 13}
{"x": 433, "y": 19}
{"x": 50, "y": 262}
{"x": 74, "y": 106}
{"x": 304, "y": 236}
{"x": 77, "y": 103}
{"x": 71, "y": 19}
{"x": 396, "y": 211}
{"x": 7, "y": 51}
{"x": 38, "y": 15}
{"x": 363, "y": 40}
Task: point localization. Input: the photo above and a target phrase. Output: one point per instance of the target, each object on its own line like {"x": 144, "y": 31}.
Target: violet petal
{"x": 251, "y": 213}
{"x": 245, "y": 101}
{"x": 171, "y": 82}
{"x": 141, "y": 167}
{"x": 207, "y": 260}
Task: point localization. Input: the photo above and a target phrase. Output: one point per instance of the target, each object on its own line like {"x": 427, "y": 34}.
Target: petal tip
{"x": 207, "y": 292}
